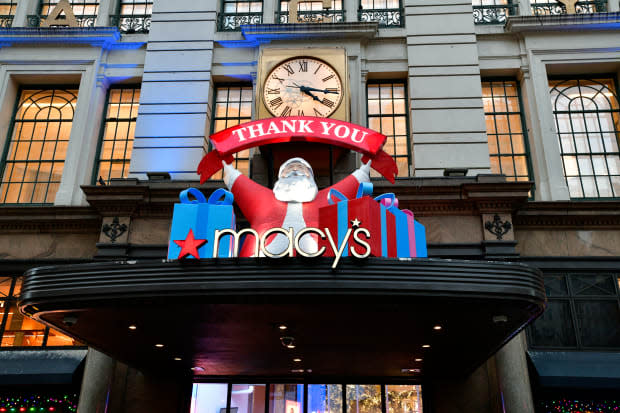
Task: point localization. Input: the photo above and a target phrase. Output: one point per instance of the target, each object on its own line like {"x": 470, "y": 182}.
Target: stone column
{"x": 513, "y": 378}
{"x": 96, "y": 383}
{"x": 269, "y": 11}
{"x": 447, "y": 116}
{"x": 23, "y": 9}
{"x": 106, "y": 8}
{"x": 525, "y": 8}
{"x": 85, "y": 131}
{"x": 350, "y": 10}
{"x": 613, "y": 6}
{"x": 543, "y": 138}
{"x": 172, "y": 120}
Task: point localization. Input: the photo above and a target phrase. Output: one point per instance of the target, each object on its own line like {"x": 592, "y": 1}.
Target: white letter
{"x": 361, "y": 139}
{"x": 301, "y": 234}
{"x": 290, "y": 125}
{"x": 337, "y": 251}
{"x": 272, "y": 125}
{"x": 236, "y": 236}
{"x": 288, "y": 250}
{"x": 327, "y": 127}
{"x": 305, "y": 128}
{"x": 341, "y": 127}
{"x": 254, "y": 129}
{"x": 361, "y": 242}
{"x": 239, "y": 133}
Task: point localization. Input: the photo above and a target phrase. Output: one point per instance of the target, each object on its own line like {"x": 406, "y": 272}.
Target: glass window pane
{"x": 555, "y": 327}
{"x": 209, "y": 398}
{"x": 324, "y": 398}
{"x": 599, "y": 323}
{"x": 403, "y": 398}
{"x": 286, "y": 398}
{"x": 5, "y": 286}
{"x": 21, "y": 331}
{"x": 56, "y": 338}
{"x": 247, "y": 398}
{"x": 363, "y": 398}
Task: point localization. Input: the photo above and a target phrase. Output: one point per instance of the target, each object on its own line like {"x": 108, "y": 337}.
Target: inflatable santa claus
{"x": 294, "y": 202}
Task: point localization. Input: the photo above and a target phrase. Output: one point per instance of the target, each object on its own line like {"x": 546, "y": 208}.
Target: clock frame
{"x": 333, "y": 57}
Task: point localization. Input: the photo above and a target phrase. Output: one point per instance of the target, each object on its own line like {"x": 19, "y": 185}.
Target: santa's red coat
{"x": 261, "y": 208}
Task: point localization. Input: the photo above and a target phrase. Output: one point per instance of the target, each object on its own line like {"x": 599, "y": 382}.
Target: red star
{"x": 190, "y": 245}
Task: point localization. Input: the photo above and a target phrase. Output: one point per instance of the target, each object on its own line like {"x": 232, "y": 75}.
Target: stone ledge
{"x": 563, "y": 22}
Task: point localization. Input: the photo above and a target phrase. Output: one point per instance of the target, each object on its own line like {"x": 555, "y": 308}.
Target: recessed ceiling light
{"x": 297, "y": 360}
{"x": 437, "y": 327}
{"x": 282, "y": 327}
{"x": 410, "y": 370}
{"x": 290, "y": 345}
{"x": 132, "y": 327}
{"x": 197, "y": 368}
{"x": 177, "y": 359}
{"x": 159, "y": 345}
{"x": 418, "y": 360}
{"x": 297, "y": 371}
{"x": 426, "y": 346}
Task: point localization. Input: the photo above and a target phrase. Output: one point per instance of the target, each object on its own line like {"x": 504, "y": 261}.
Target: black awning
{"x": 578, "y": 369}
{"x": 28, "y": 367}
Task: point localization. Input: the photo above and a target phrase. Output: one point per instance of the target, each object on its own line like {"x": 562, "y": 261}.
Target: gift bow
{"x": 364, "y": 189}
{"x": 219, "y": 197}
{"x": 392, "y": 202}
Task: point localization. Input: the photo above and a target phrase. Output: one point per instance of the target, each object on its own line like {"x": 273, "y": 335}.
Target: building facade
{"x": 503, "y": 117}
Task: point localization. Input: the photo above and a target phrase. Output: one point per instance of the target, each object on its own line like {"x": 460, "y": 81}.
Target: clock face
{"x": 302, "y": 86}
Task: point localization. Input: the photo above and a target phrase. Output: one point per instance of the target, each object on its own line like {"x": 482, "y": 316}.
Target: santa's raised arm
{"x": 294, "y": 201}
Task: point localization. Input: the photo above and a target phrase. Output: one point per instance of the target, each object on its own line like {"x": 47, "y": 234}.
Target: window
{"x": 117, "y": 134}
{"x": 313, "y": 12}
{"x": 85, "y": 11}
{"x": 587, "y": 117}
{"x": 548, "y": 7}
{"x": 388, "y": 13}
{"x": 233, "y": 106}
{"x": 7, "y": 11}
{"x": 17, "y": 330}
{"x": 505, "y": 129}
{"x": 387, "y": 114}
{"x": 37, "y": 145}
{"x": 134, "y": 16}
{"x": 583, "y": 313}
{"x": 493, "y": 11}
{"x": 234, "y": 13}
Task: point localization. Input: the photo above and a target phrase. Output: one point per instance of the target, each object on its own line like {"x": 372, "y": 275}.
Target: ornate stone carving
{"x": 114, "y": 230}
{"x": 498, "y": 227}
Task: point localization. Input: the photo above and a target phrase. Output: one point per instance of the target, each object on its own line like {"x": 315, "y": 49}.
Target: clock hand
{"x": 305, "y": 90}
{"x": 312, "y": 89}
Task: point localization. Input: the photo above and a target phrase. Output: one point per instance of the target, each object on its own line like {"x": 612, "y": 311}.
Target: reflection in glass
{"x": 286, "y": 398}
{"x": 209, "y": 398}
{"x": 5, "y": 286}
{"x": 404, "y": 399}
{"x": 247, "y": 398}
{"x": 56, "y": 338}
{"x": 363, "y": 398}
{"x": 324, "y": 398}
{"x": 21, "y": 331}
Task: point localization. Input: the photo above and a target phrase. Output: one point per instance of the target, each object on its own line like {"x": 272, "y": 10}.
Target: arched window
{"x": 587, "y": 117}
{"x": 38, "y": 139}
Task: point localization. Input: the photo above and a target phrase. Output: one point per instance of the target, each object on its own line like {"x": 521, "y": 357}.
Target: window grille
{"x": 506, "y": 129}
{"x": 85, "y": 12}
{"x": 587, "y": 117}
{"x": 493, "y": 11}
{"x": 313, "y": 12}
{"x": 550, "y": 7}
{"x": 37, "y": 145}
{"x": 388, "y": 114}
{"x": 388, "y": 13}
{"x": 134, "y": 16}
{"x": 234, "y": 13}
{"x": 7, "y": 12}
{"x": 117, "y": 134}
{"x": 233, "y": 106}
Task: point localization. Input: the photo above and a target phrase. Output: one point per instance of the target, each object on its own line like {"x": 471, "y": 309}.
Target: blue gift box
{"x": 194, "y": 223}
{"x": 402, "y": 228}
{"x": 420, "y": 240}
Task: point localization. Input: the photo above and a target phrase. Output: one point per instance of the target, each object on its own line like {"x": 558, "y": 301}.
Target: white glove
{"x": 230, "y": 175}
{"x": 363, "y": 173}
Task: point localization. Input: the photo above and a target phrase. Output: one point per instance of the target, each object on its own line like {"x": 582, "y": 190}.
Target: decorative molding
{"x": 45, "y": 219}
{"x": 114, "y": 229}
{"x": 497, "y": 227}
{"x": 579, "y": 215}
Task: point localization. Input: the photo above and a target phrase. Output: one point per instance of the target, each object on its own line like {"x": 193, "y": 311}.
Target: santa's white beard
{"x": 295, "y": 188}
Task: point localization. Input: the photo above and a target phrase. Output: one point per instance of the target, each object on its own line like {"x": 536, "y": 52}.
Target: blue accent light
{"x": 105, "y": 37}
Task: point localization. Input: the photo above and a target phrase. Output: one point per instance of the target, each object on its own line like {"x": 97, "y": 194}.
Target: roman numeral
{"x": 300, "y": 112}
{"x": 327, "y": 103}
{"x": 288, "y": 68}
{"x": 332, "y": 90}
{"x": 276, "y": 77}
{"x": 303, "y": 66}
{"x": 317, "y": 68}
{"x": 275, "y": 91}
{"x": 286, "y": 111}
{"x": 325, "y": 79}
{"x": 275, "y": 103}
{"x": 317, "y": 113}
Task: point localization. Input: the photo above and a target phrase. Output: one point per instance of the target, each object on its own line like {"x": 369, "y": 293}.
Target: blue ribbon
{"x": 227, "y": 199}
{"x": 364, "y": 189}
{"x": 219, "y": 197}
{"x": 184, "y": 196}
{"x": 389, "y": 196}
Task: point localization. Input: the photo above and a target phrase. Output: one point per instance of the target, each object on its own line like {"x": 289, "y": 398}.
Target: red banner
{"x": 297, "y": 128}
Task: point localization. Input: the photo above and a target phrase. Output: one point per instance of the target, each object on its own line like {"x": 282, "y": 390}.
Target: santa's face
{"x": 296, "y": 184}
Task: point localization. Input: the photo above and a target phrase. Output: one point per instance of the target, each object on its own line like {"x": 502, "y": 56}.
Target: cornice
{"x": 41, "y": 219}
{"x": 599, "y": 215}
{"x": 563, "y": 22}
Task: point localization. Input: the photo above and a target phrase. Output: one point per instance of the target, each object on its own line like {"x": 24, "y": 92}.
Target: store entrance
{"x": 306, "y": 398}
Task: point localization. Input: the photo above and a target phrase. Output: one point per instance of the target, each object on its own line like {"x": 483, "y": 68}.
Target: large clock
{"x": 302, "y": 86}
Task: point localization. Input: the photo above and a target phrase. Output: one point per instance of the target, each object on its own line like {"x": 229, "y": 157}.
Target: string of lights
{"x": 580, "y": 406}
{"x": 39, "y": 403}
